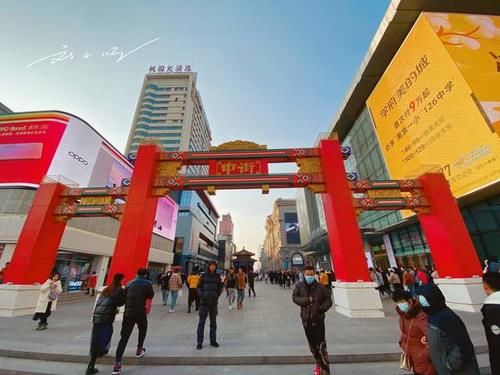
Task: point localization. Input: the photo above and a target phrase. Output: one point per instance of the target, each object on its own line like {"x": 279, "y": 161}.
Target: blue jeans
{"x": 174, "y": 298}
{"x": 241, "y": 295}
{"x": 164, "y": 296}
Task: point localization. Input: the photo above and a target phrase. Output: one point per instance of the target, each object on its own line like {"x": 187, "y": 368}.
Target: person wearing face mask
{"x": 413, "y": 326}
{"x": 314, "y": 301}
{"x": 451, "y": 348}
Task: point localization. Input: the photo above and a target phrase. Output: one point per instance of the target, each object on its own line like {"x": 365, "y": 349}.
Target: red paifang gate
{"x": 244, "y": 165}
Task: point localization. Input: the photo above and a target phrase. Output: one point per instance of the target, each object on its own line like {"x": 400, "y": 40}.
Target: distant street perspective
{"x": 263, "y": 187}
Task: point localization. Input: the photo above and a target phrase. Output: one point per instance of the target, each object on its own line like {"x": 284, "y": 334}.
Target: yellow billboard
{"x": 428, "y": 117}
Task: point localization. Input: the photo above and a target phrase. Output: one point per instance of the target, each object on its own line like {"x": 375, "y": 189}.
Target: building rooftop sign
{"x": 170, "y": 69}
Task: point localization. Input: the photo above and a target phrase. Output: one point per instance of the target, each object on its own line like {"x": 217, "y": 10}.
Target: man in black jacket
{"x": 209, "y": 289}
{"x": 137, "y": 292}
{"x": 314, "y": 301}
{"x": 491, "y": 318}
{"x": 251, "y": 283}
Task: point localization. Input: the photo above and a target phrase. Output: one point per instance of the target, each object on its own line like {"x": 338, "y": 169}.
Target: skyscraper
{"x": 170, "y": 110}
{"x": 225, "y": 238}
{"x": 226, "y": 226}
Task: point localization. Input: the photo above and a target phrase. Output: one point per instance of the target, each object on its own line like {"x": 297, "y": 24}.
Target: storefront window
{"x": 74, "y": 269}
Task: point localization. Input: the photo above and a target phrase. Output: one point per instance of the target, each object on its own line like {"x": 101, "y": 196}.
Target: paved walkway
{"x": 30, "y": 367}
{"x": 266, "y": 331}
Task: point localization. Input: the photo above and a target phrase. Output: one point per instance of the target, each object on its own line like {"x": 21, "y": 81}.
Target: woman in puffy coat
{"x": 105, "y": 311}
{"x": 413, "y": 325}
{"x": 47, "y": 300}
{"x": 451, "y": 348}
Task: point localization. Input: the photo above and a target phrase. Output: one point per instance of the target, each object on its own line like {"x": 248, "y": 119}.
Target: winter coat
{"x": 209, "y": 288}
{"x": 175, "y": 282}
{"x": 165, "y": 280}
{"x": 422, "y": 278}
{"x": 92, "y": 281}
{"x": 193, "y": 281}
{"x": 251, "y": 279}
{"x": 408, "y": 279}
{"x": 451, "y": 348}
{"x": 106, "y": 307}
{"x": 43, "y": 298}
{"x": 321, "y": 301}
{"x": 137, "y": 292}
{"x": 410, "y": 341}
{"x": 230, "y": 281}
{"x": 394, "y": 278}
{"x": 323, "y": 279}
{"x": 241, "y": 281}
{"x": 491, "y": 323}
{"x": 492, "y": 267}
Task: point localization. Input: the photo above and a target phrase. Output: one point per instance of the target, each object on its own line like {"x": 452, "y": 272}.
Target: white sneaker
{"x": 171, "y": 311}
{"x": 230, "y": 307}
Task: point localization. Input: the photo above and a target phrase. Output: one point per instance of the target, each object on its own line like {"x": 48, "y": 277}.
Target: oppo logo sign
{"x": 78, "y": 158}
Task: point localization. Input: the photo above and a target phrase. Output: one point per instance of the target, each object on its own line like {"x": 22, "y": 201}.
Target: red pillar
{"x": 35, "y": 253}
{"x": 451, "y": 246}
{"x": 346, "y": 245}
{"x": 136, "y": 229}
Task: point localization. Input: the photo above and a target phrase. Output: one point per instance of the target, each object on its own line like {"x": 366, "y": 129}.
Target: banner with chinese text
{"x": 427, "y": 118}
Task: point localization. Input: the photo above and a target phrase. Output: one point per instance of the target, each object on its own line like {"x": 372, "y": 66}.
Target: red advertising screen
{"x": 27, "y": 147}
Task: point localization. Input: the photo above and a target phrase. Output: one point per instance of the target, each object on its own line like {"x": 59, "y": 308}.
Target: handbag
{"x": 404, "y": 361}
{"x": 179, "y": 294}
{"x": 53, "y": 296}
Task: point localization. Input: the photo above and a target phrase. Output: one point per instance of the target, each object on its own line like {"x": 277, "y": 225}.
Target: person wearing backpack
{"x": 47, "y": 300}
{"x": 106, "y": 308}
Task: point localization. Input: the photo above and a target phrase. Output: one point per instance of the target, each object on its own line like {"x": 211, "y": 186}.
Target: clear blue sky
{"x": 270, "y": 71}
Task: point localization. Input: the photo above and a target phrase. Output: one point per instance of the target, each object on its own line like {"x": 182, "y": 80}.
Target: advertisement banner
{"x": 473, "y": 42}
{"x": 53, "y": 144}
{"x": 427, "y": 118}
{"x": 292, "y": 228}
{"x": 28, "y": 145}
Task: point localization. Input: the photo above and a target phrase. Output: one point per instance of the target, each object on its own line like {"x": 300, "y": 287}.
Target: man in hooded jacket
{"x": 451, "y": 348}
{"x": 209, "y": 289}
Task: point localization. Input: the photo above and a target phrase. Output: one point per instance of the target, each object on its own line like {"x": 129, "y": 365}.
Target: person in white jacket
{"x": 47, "y": 301}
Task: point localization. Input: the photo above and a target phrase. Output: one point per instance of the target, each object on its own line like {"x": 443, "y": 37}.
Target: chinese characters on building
{"x": 169, "y": 68}
{"x": 235, "y": 167}
{"x": 6, "y": 131}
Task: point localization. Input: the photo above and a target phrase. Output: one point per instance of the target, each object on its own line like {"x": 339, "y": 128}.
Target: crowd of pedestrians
{"x": 434, "y": 339}
{"x": 286, "y": 278}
